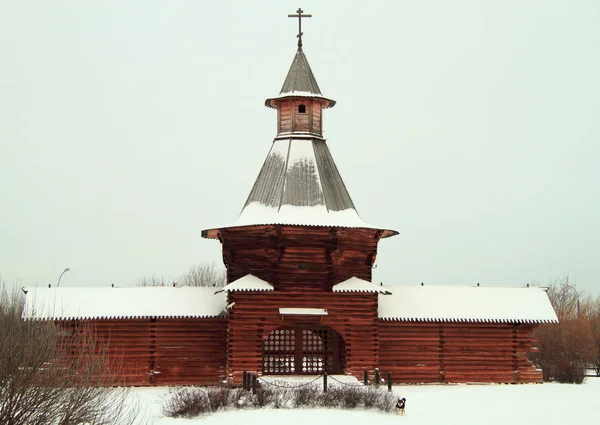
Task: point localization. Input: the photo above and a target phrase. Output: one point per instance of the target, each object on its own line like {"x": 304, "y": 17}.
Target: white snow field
{"x": 462, "y": 404}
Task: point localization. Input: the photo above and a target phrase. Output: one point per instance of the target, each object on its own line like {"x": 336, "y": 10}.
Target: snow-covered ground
{"x": 426, "y": 405}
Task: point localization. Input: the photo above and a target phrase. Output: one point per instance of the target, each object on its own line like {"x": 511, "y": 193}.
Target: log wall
{"x": 190, "y": 351}
{"x": 255, "y": 315}
{"x": 417, "y": 352}
{"x": 197, "y": 351}
{"x": 161, "y": 351}
{"x": 299, "y": 258}
{"x": 290, "y": 119}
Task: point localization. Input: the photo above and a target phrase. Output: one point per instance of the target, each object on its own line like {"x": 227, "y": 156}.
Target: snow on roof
{"x": 122, "y": 303}
{"x": 467, "y": 304}
{"x": 299, "y": 184}
{"x": 303, "y": 311}
{"x": 317, "y": 215}
{"x": 301, "y": 93}
{"x": 248, "y": 283}
{"x": 355, "y": 284}
{"x": 327, "y": 103}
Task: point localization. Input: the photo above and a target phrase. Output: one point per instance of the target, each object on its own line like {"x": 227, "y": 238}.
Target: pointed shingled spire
{"x": 300, "y": 78}
{"x": 300, "y": 82}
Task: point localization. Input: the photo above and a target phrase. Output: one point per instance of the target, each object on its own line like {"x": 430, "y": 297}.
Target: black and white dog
{"x": 401, "y": 406}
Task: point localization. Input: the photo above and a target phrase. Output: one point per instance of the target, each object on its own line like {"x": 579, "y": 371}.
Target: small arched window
{"x": 302, "y": 109}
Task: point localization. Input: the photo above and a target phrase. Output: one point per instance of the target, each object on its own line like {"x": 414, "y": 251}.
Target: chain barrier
{"x": 346, "y": 383}
{"x": 290, "y": 386}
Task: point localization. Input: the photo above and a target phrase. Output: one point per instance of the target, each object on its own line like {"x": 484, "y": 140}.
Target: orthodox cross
{"x": 299, "y": 15}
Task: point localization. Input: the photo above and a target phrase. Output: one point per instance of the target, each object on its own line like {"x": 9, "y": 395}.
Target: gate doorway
{"x": 303, "y": 350}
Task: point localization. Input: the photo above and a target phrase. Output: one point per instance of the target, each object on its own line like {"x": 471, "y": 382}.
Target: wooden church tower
{"x": 299, "y": 258}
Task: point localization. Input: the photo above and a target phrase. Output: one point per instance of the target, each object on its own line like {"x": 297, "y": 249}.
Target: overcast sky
{"x": 471, "y": 127}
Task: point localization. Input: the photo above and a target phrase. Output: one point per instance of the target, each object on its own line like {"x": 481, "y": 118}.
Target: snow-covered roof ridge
{"x": 122, "y": 303}
{"x": 248, "y": 283}
{"x": 355, "y": 284}
{"x": 299, "y": 184}
{"x": 467, "y": 304}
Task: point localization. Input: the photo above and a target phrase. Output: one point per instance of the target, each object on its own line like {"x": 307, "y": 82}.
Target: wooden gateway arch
{"x": 299, "y": 298}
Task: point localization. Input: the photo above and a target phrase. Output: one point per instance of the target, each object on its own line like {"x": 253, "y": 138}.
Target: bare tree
{"x": 565, "y": 299}
{"x": 153, "y": 280}
{"x": 594, "y": 317}
{"x": 52, "y": 377}
{"x": 207, "y": 275}
{"x": 204, "y": 275}
{"x": 566, "y": 349}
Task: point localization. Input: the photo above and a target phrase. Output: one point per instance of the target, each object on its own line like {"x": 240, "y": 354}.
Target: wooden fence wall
{"x": 196, "y": 351}
{"x": 161, "y": 351}
{"x": 418, "y": 352}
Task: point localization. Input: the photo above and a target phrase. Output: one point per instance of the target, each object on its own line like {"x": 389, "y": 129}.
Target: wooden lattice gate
{"x": 302, "y": 350}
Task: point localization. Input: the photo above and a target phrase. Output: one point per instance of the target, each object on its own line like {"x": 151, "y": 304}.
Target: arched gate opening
{"x": 303, "y": 350}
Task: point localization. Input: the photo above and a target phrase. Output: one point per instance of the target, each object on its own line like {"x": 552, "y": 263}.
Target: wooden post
{"x": 366, "y": 377}
{"x": 254, "y": 382}
{"x": 244, "y": 380}
{"x": 248, "y": 381}
{"x": 325, "y": 382}
{"x": 377, "y": 376}
{"x": 390, "y": 381}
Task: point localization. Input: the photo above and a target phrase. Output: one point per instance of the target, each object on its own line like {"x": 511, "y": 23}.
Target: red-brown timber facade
{"x": 299, "y": 298}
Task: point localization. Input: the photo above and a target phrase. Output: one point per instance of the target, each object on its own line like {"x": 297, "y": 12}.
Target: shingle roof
{"x": 302, "y": 173}
{"x": 300, "y": 82}
{"x": 122, "y": 303}
{"x": 466, "y": 304}
{"x": 300, "y": 77}
{"x": 247, "y": 283}
{"x": 354, "y": 284}
{"x": 406, "y": 303}
{"x": 299, "y": 184}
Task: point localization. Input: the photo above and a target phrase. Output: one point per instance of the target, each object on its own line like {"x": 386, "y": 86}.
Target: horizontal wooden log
{"x": 157, "y": 351}
{"x": 465, "y": 352}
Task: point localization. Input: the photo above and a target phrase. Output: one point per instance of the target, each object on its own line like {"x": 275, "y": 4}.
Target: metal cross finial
{"x": 299, "y": 15}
